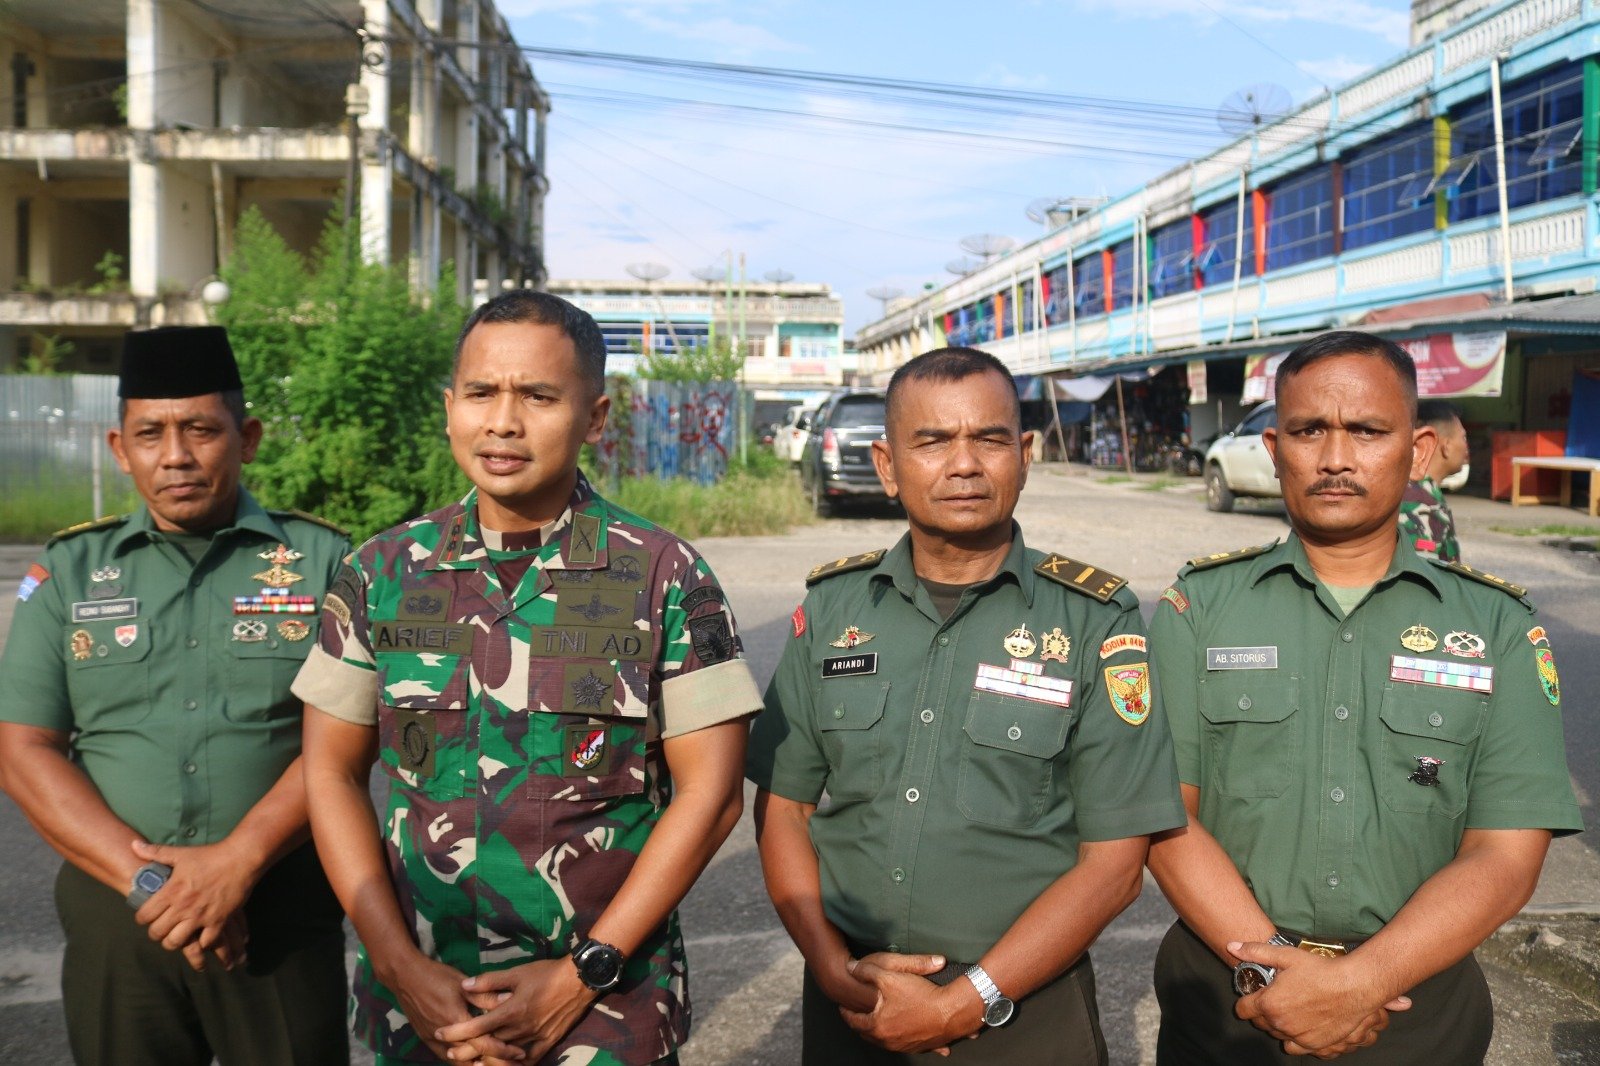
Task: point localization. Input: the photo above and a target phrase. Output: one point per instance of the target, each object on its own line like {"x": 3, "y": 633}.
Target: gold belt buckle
{"x": 1324, "y": 949}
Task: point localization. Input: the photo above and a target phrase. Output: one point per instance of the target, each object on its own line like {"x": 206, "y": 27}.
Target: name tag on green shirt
{"x": 1242, "y": 658}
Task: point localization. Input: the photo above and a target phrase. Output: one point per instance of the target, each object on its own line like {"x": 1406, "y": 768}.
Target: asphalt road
{"x": 745, "y": 976}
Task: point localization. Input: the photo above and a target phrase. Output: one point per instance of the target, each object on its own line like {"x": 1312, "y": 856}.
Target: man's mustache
{"x": 1342, "y": 484}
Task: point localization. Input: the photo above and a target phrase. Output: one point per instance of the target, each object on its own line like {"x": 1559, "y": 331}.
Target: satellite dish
{"x": 1053, "y": 212}
{"x": 715, "y": 272}
{"x": 1247, "y": 110}
{"x": 778, "y": 277}
{"x": 647, "y": 271}
{"x": 987, "y": 245}
{"x": 884, "y": 293}
{"x": 964, "y": 266}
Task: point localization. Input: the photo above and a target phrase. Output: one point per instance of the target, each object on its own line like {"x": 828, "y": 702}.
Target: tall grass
{"x": 30, "y": 513}
{"x": 761, "y": 497}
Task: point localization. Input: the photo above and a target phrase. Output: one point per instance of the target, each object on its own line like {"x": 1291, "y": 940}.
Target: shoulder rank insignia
{"x": 1205, "y": 562}
{"x": 1080, "y": 577}
{"x": 84, "y": 527}
{"x": 306, "y": 516}
{"x": 1487, "y": 579}
{"x": 844, "y": 566}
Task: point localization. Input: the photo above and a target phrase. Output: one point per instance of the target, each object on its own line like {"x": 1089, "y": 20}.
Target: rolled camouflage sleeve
{"x": 705, "y": 679}
{"x": 340, "y": 675}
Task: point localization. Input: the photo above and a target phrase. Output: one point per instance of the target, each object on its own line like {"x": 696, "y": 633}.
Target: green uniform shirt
{"x": 963, "y": 761}
{"x": 1340, "y": 757}
{"x": 180, "y": 708}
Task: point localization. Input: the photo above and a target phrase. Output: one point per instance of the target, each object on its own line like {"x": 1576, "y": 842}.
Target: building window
{"x": 1380, "y": 201}
{"x": 1122, "y": 275}
{"x": 1543, "y": 118}
{"x": 1300, "y": 219}
{"x": 1057, "y": 288}
{"x": 1025, "y": 294}
{"x": 1172, "y": 259}
{"x": 1090, "y": 285}
{"x": 1221, "y": 243}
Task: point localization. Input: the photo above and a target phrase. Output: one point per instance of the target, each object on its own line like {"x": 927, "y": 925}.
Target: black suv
{"x": 836, "y": 464}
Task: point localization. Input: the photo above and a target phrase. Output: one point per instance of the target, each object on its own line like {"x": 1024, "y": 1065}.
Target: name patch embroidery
{"x": 1242, "y": 658}
{"x": 94, "y": 611}
{"x": 1024, "y": 681}
{"x": 452, "y": 638}
{"x": 1442, "y": 673}
{"x": 1122, "y": 642}
{"x": 850, "y": 665}
{"x": 593, "y": 642}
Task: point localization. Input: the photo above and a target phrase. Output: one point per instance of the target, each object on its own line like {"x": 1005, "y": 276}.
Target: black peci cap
{"x": 177, "y": 361}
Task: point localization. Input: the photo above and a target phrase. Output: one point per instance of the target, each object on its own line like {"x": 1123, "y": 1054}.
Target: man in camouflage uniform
{"x": 539, "y": 673}
{"x": 1425, "y": 519}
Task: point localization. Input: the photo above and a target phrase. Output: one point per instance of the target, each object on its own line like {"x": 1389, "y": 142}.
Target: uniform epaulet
{"x": 835, "y": 567}
{"x": 306, "y": 516}
{"x": 1488, "y": 579}
{"x": 84, "y": 527}
{"x": 1080, "y": 577}
{"x": 1206, "y": 562}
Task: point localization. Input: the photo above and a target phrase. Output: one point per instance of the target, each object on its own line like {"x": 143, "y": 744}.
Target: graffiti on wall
{"x": 671, "y": 429}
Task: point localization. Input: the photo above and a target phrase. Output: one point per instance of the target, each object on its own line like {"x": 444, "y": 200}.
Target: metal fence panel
{"x": 52, "y": 436}
{"x": 672, "y": 429}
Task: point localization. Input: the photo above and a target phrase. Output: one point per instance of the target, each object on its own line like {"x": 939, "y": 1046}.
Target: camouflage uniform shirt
{"x": 521, "y": 728}
{"x": 1426, "y": 522}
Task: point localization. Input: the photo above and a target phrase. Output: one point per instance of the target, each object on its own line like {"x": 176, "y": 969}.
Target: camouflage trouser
{"x": 600, "y": 1059}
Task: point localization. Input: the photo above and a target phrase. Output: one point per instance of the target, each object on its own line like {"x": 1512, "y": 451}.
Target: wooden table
{"x": 1566, "y": 464}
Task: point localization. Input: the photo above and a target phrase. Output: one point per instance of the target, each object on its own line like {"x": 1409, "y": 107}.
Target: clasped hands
{"x": 1316, "y": 1006}
{"x": 200, "y": 908}
{"x": 501, "y": 1018}
{"x": 888, "y": 999}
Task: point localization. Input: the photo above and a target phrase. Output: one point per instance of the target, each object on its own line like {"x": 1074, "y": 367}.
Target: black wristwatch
{"x": 599, "y": 965}
{"x": 147, "y": 880}
{"x": 1251, "y": 977}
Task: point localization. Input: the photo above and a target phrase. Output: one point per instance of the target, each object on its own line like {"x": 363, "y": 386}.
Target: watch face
{"x": 999, "y": 1012}
{"x": 148, "y": 881}
{"x": 599, "y": 966}
{"x": 1251, "y": 977}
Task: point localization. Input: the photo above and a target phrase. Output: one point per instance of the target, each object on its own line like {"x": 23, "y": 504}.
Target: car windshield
{"x": 856, "y": 412}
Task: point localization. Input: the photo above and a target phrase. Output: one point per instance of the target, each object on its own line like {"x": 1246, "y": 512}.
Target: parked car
{"x": 1237, "y": 463}
{"x": 790, "y": 438}
{"x": 836, "y": 462}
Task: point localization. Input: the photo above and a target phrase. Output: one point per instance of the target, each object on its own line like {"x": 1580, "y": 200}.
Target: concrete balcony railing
{"x": 61, "y": 145}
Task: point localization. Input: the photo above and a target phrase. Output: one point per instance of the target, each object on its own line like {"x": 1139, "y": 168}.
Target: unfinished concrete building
{"x": 133, "y": 133}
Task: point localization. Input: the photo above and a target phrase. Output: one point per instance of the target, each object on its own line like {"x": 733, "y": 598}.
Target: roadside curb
{"x": 1558, "y": 943}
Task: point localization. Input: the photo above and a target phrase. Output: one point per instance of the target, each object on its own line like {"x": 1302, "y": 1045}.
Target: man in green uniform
{"x": 554, "y": 689}
{"x": 978, "y": 714}
{"x": 1425, "y": 519}
{"x": 1371, "y": 754}
{"x": 148, "y": 732}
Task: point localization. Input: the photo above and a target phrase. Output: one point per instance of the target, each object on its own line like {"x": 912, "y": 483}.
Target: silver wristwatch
{"x": 997, "y": 1009}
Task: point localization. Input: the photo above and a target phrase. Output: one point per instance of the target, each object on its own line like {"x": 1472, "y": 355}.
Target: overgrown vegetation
{"x": 344, "y": 364}
{"x": 1549, "y": 531}
{"x": 712, "y": 361}
{"x": 760, "y": 497}
{"x": 28, "y": 515}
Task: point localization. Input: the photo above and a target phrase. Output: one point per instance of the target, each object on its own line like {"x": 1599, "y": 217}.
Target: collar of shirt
{"x": 464, "y": 545}
{"x": 897, "y": 567}
{"x": 1290, "y": 554}
{"x": 248, "y": 516}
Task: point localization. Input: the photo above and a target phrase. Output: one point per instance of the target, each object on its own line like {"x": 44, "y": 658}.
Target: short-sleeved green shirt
{"x": 963, "y": 759}
{"x": 179, "y": 707}
{"x": 1340, "y": 757}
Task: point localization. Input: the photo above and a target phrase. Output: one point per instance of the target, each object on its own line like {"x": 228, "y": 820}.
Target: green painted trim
{"x": 1591, "y": 125}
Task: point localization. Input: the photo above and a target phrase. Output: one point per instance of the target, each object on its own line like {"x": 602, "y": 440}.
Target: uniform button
{"x": 926, "y": 716}
{"x": 1014, "y": 733}
{"x": 272, "y": 644}
{"x": 1333, "y": 880}
{"x": 1436, "y": 720}
{"x": 1244, "y": 703}
{"x": 912, "y": 795}
{"x": 191, "y": 642}
{"x": 899, "y": 875}
{"x": 1337, "y": 795}
{"x": 944, "y": 639}
{"x": 1341, "y": 713}
{"x": 894, "y": 947}
{"x": 1347, "y": 636}
{"x": 189, "y": 832}
{"x": 189, "y": 705}
{"x": 188, "y": 767}
{"x": 838, "y": 712}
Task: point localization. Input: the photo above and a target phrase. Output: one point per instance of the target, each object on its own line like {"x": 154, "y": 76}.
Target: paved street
{"x": 745, "y": 976}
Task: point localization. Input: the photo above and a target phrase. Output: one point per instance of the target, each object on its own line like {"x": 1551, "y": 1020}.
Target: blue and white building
{"x": 1395, "y": 203}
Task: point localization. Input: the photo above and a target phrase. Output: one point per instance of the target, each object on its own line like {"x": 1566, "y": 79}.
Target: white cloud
{"x": 1335, "y": 70}
{"x": 1392, "y": 26}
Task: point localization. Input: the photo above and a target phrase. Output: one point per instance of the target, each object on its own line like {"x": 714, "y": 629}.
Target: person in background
{"x": 1425, "y": 519}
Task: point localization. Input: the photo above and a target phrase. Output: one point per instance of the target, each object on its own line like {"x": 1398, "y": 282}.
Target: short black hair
{"x": 948, "y": 364}
{"x": 232, "y": 401}
{"x": 1438, "y": 413}
{"x": 544, "y": 309}
{"x": 1351, "y": 342}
